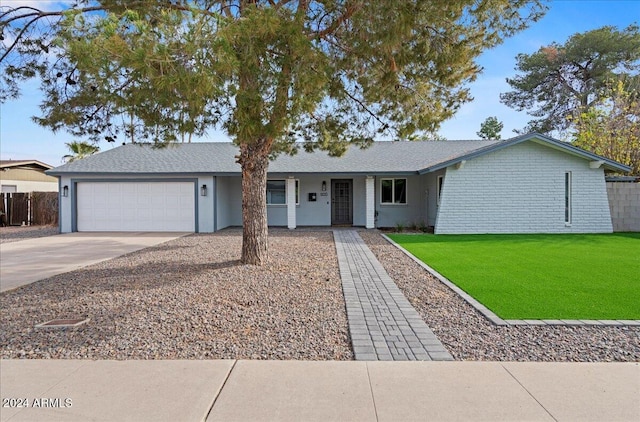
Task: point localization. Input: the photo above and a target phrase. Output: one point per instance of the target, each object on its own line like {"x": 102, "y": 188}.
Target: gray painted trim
{"x": 214, "y": 198}
{"x": 612, "y": 165}
{"x": 74, "y": 197}
{"x": 141, "y": 174}
{"x": 59, "y": 204}
{"x": 74, "y": 205}
{"x": 346, "y": 174}
{"x": 196, "y": 204}
{"x": 495, "y": 319}
{"x": 231, "y": 174}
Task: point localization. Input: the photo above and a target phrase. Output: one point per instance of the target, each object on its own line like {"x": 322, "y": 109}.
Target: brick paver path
{"x": 382, "y": 323}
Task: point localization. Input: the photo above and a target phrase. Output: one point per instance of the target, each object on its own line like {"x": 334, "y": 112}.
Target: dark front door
{"x": 341, "y": 202}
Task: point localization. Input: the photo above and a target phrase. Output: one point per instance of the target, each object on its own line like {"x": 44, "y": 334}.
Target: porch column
{"x": 370, "y": 202}
{"x": 291, "y": 202}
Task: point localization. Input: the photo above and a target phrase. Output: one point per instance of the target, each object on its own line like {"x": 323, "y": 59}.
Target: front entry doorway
{"x": 341, "y": 202}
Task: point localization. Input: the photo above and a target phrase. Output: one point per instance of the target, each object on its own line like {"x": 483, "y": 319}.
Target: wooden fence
{"x": 34, "y": 208}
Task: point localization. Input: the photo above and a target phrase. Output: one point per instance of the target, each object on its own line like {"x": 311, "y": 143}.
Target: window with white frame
{"x": 567, "y": 197}
{"x": 439, "y": 189}
{"x": 277, "y": 192}
{"x": 393, "y": 191}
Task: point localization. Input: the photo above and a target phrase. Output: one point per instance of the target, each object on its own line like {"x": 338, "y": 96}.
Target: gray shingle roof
{"x": 219, "y": 157}
{"x": 382, "y": 157}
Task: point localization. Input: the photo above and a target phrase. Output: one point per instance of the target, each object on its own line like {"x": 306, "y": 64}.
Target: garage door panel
{"x": 183, "y": 225}
{"x": 129, "y": 225}
{"x": 156, "y": 201}
{"x": 156, "y": 189}
{"x": 113, "y": 188}
{"x": 129, "y": 189}
{"x": 172, "y": 213}
{"x": 135, "y": 206}
{"x": 157, "y": 213}
{"x": 173, "y": 190}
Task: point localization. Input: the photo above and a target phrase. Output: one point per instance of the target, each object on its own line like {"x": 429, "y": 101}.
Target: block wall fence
{"x": 624, "y": 203}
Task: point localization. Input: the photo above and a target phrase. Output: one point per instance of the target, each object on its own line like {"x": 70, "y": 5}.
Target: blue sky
{"x": 20, "y": 138}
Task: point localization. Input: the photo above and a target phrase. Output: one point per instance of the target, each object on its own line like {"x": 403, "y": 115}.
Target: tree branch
{"x": 364, "y": 107}
{"x": 349, "y": 11}
{"x": 15, "y": 41}
{"x": 2, "y": 15}
{"x": 40, "y": 14}
{"x": 303, "y": 6}
{"x": 279, "y": 112}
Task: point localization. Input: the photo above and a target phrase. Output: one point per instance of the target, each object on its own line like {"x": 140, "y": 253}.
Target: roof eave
{"x": 43, "y": 166}
{"x": 238, "y": 173}
{"x": 606, "y": 163}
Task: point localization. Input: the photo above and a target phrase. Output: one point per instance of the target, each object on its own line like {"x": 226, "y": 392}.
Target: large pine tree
{"x": 269, "y": 72}
{"x": 560, "y": 80}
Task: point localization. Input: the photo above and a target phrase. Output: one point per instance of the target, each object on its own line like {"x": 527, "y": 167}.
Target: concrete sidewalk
{"x": 81, "y": 390}
{"x": 31, "y": 260}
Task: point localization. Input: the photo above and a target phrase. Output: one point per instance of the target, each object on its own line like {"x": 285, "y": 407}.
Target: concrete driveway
{"x": 31, "y": 260}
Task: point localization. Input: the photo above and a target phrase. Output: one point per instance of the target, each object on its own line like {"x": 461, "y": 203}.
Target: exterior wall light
{"x": 203, "y": 190}
{"x": 65, "y": 191}
{"x": 324, "y": 186}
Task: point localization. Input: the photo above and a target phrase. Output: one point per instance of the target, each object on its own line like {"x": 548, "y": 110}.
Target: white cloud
{"x": 46, "y": 5}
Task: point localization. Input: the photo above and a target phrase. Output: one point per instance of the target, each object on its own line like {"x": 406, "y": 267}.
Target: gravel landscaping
{"x": 469, "y": 336}
{"x": 189, "y": 299}
{"x": 16, "y": 233}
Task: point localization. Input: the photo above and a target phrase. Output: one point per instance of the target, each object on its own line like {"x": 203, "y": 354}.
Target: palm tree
{"x": 80, "y": 150}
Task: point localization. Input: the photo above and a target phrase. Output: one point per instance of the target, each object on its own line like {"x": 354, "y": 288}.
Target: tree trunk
{"x": 254, "y": 161}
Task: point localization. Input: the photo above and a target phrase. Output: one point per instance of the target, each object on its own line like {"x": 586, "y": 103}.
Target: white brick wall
{"x": 520, "y": 189}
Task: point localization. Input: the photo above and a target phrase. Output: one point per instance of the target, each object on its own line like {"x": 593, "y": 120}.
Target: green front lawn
{"x": 540, "y": 276}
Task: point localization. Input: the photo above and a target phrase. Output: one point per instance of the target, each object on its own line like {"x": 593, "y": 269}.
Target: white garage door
{"x": 140, "y": 206}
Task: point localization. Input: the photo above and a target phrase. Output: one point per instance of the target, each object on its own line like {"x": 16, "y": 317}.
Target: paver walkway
{"x": 382, "y": 323}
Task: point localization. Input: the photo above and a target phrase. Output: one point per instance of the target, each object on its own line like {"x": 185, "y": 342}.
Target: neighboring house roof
{"x": 24, "y": 164}
{"x": 404, "y": 157}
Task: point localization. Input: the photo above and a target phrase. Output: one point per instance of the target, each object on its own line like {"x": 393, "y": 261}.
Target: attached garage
{"x": 136, "y": 206}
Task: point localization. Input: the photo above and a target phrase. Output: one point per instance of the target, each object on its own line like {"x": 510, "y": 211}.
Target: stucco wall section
{"x": 65, "y": 206}
{"x": 206, "y": 204}
{"x": 430, "y": 184}
{"x": 30, "y": 175}
{"x": 31, "y": 186}
{"x": 624, "y": 203}
{"x": 318, "y": 212}
{"x": 389, "y": 215}
{"x": 520, "y": 189}
{"x": 228, "y": 202}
